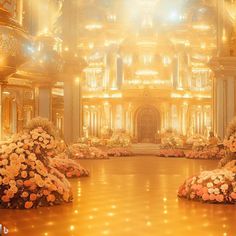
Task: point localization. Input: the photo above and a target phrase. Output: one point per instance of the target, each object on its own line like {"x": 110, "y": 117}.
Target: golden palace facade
{"x": 93, "y": 67}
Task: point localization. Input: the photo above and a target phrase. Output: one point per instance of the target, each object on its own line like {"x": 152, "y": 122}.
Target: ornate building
{"x": 93, "y": 66}
{"x": 146, "y": 73}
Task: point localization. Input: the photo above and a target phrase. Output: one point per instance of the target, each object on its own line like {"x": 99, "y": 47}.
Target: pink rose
{"x": 205, "y": 196}
{"x": 194, "y": 187}
{"x": 200, "y": 192}
{"x": 219, "y": 198}
{"x": 212, "y": 197}
{"x": 198, "y": 187}
{"x": 233, "y": 195}
{"x": 205, "y": 190}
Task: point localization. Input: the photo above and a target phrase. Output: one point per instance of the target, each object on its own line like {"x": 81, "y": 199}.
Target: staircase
{"x": 144, "y": 148}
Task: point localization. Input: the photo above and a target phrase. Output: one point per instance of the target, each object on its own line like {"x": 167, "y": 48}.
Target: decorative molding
{"x": 223, "y": 66}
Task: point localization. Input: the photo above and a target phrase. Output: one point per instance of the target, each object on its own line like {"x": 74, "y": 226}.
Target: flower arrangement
{"x": 96, "y": 153}
{"x": 78, "y": 150}
{"x": 83, "y": 151}
{"x": 119, "y": 139}
{"x": 70, "y": 168}
{"x": 44, "y": 123}
{"x": 106, "y": 132}
{"x": 171, "y": 140}
{"x": 27, "y": 178}
{"x": 197, "y": 141}
{"x": 207, "y": 153}
{"x": 119, "y": 152}
{"x": 91, "y": 141}
{"x": 230, "y": 139}
{"x": 217, "y": 186}
{"x": 229, "y": 144}
{"x": 170, "y": 153}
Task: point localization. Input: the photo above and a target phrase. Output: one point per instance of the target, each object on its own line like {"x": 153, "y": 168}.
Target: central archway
{"x": 147, "y": 124}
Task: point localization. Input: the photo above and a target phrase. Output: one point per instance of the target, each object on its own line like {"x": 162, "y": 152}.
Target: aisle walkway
{"x": 133, "y": 196}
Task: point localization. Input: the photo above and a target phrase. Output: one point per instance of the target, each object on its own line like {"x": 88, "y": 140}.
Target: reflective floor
{"x": 129, "y": 196}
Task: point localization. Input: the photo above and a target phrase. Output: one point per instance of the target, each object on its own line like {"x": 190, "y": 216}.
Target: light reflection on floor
{"x": 132, "y": 196}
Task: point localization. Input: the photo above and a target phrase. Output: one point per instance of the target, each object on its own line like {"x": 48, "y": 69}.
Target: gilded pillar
{"x": 99, "y": 126}
{"x": 184, "y": 120}
{"x": 220, "y": 107}
{"x": 20, "y": 111}
{"x": 72, "y": 108}
{"x": 124, "y": 115}
{"x": 43, "y": 101}
{"x": 107, "y": 71}
{"x": 180, "y": 115}
{"x": 68, "y": 109}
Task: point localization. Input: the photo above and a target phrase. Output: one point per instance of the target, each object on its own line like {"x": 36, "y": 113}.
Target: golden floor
{"x": 128, "y": 196}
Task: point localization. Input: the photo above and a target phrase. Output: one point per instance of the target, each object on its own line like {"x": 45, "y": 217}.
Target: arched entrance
{"x": 148, "y": 123}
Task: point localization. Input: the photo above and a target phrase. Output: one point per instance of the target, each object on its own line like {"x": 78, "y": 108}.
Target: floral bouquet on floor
{"x": 119, "y": 152}
{"x": 83, "y": 151}
{"x": 171, "y": 140}
{"x": 27, "y": 178}
{"x": 70, "y": 168}
{"x": 230, "y": 143}
{"x": 119, "y": 139}
{"x": 79, "y": 150}
{"x": 91, "y": 141}
{"x": 219, "y": 185}
{"x": 197, "y": 142}
{"x": 96, "y": 153}
{"x": 171, "y": 144}
{"x": 207, "y": 153}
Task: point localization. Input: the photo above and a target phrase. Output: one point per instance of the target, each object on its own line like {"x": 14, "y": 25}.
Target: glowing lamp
{"x": 202, "y": 27}
{"x": 94, "y": 26}
{"x": 146, "y": 73}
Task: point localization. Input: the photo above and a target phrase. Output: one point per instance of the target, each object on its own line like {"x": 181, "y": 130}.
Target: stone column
{"x": 184, "y": 111}
{"x": 132, "y": 122}
{"x": 106, "y": 80}
{"x": 43, "y": 101}
{"x": 112, "y": 117}
{"x": 230, "y": 98}
{"x": 124, "y": 116}
{"x": 99, "y": 126}
{"x": 164, "y": 117}
{"x": 219, "y": 108}
{"x": 73, "y": 110}
{"x": 224, "y": 93}
{"x": 179, "y": 115}
{"x": 20, "y": 110}
{"x": 224, "y": 104}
